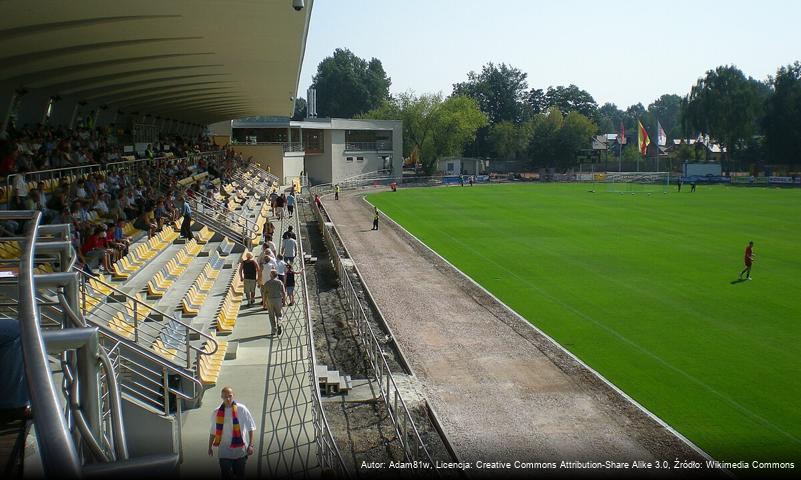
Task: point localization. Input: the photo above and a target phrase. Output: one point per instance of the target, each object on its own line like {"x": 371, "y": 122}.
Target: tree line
{"x": 495, "y": 114}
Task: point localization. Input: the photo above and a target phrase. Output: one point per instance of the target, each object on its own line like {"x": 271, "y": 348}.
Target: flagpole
{"x": 657, "y": 143}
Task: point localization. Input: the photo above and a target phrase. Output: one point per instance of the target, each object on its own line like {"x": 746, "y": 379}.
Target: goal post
{"x": 632, "y": 182}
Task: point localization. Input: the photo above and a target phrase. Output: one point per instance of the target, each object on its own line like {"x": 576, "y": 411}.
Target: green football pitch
{"x": 644, "y": 289}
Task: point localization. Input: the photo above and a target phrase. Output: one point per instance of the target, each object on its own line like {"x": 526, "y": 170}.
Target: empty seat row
{"x": 199, "y": 290}
{"x": 204, "y": 235}
{"x": 10, "y": 250}
{"x": 210, "y": 364}
{"x": 175, "y": 267}
{"x": 226, "y": 247}
{"x": 229, "y": 310}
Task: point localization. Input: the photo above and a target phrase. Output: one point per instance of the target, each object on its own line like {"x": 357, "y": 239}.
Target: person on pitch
{"x": 749, "y": 259}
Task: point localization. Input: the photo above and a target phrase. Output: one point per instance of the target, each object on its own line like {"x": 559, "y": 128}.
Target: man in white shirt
{"x": 20, "y": 187}
{"x": 232, "y": 452}
{"x": 289, "y": 249}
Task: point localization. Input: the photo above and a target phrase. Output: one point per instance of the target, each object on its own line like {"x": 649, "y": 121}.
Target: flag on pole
{"x": 661, "y": 136}
{"x": 621, "y": 137}
{"x": 642, "y": 139}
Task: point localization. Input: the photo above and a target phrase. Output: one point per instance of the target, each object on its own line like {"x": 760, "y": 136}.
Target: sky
{"x": 622, "y": 51}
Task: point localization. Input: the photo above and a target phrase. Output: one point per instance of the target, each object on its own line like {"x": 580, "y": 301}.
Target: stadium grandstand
{"x": 122, "y": 226}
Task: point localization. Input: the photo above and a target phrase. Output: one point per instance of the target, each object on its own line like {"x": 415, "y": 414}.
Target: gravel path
{"x": 503, "y": 392}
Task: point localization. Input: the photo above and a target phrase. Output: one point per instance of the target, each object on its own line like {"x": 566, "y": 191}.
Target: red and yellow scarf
{"x": 236, "y": 433}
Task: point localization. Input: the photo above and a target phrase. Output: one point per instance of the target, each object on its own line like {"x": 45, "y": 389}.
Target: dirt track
{"x": 503, "y": 391}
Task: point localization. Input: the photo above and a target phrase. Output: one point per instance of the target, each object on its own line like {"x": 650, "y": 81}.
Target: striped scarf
{"x": 236, "y": 433}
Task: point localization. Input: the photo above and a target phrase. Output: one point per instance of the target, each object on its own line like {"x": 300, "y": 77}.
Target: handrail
{"x": 120, "y": 441}
{"x": 99, "y": 167}
{"x": 59, "y": 455}
{"x": 375, "y": 353}
{"x": 327, "y": 446}
{"x": 166, "y": 316}
{"x": 261, "y": 172}
{"x": 214, "y": 204}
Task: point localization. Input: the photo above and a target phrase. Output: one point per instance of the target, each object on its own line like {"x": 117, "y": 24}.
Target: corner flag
{"x": 642, "y": 139}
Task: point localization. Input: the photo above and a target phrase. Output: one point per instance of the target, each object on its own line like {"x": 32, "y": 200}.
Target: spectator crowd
{"x": 101, "y": 200}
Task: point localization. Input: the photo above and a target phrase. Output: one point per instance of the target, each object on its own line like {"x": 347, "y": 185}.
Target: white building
{"x": 326, "y": 149}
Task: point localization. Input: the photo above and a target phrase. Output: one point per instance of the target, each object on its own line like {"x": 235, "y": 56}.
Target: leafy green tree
{"x": 571, "y": 99}
{"x": 556, "y": 138}
{"x": 300, "y": 109}
{"x": 667, "y": 110}
{"x": 499, "y": 90}
{"x": 535, "y": 100}
{"x": 433, "y": 126}
{"x": 348, "y": 85}
{"x": 726, "y": 105}
{"x": 782, "y": 120}
{"x": 608, "y": 118}
{"x": 510, "y": 141}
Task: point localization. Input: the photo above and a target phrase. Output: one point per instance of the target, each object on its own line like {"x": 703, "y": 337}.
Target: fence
{"x": 83, "y": 433}
{"x": 408, "y": 436}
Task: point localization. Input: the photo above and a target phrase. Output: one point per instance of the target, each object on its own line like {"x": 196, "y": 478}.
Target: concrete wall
{"x": 293, "y": 164}
{"x": 318, "y": 166}
{"x": 268, "y": 157}
{"x": 148, "y": 433}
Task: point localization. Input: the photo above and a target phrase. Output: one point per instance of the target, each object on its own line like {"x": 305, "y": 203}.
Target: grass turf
{"x": 644, "y": 289}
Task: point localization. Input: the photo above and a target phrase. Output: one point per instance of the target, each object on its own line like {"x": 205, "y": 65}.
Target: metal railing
{"x": 409, "y": 437}
{"x": 84, "y": 170}
{"x": 328, "y": 452}
{"x": 175, "y": 333}
{"x": 378, "y": 145}
{"x": 383, "y": 177}
{"x": 262, "y": 173}
{"x": 86, "y": 436}
{"x": 216, "y": 215}
{"x": 285, "y": 146}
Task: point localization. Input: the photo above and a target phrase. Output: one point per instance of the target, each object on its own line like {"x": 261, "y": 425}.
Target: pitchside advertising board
{"x": 743, "y": 180}
{"x": 766, "y": 180}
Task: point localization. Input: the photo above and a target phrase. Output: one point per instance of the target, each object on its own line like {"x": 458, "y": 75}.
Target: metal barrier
{"x": 260, "y": 172}
{"x": 413, "y": 446}
{"x": 87, "y": 436}
{"x": 285, "y": 146}
{"x": 327, "y": 449}
{"x": 216, "y": 215}
{"x": 83, "y": 170}
{"x": 294, "y": 392}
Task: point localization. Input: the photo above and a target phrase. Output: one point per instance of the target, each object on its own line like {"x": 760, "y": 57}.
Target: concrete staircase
{"x": 332, "y": 382}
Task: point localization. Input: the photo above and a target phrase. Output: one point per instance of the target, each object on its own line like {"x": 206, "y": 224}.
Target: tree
{"x": 724, "y": 104}
{"x": 300, "y": 109}
{"x": 510, "y": 141}
{"x": 348, "y": 85}
{"x": 433, "y": 126}
{"x": 667, "y": 110}
{"x": 571, "y": 99}
{"x": 536, "y": 101}
{"x": 556, "y": 138}
{"x": 608, "y": 117}
{"x": 499, "y": 90}
{"x": 783, "y": 115}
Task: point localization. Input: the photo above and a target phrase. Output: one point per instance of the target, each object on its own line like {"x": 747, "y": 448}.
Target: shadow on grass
{"x": 739, "y": 280}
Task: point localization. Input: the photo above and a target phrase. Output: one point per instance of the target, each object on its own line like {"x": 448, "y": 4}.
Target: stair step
{"x": 322, "y": 373}
{"x": 332, "y": 385}
{"x": 230, "y": 354}
{"x": 345, "y": 384}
